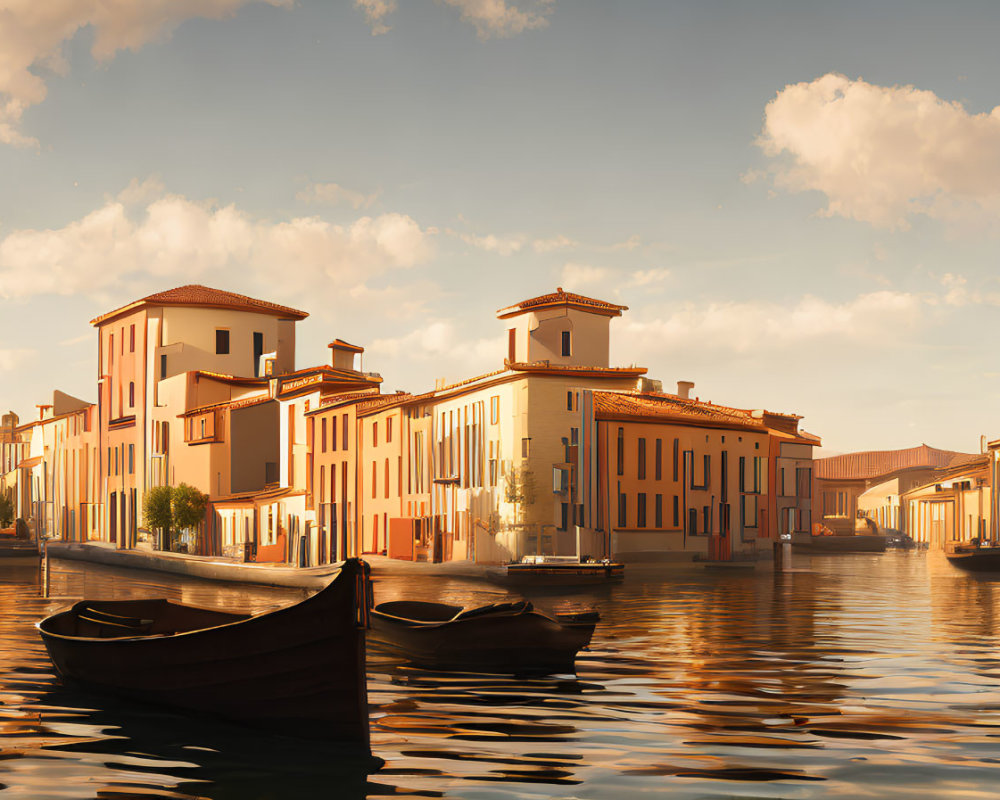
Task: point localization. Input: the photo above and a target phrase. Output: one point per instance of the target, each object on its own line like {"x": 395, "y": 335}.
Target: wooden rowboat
{"x": 506, "y": 638}
{"x": 298, "y": 670}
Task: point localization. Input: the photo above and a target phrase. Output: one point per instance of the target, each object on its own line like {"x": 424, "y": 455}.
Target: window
{"x": 163, "y": 366}
{"x": 640, "y": 510}
{"x": 659, "y": 460}
{"x": 569, "y": 401}
{"x": 525, "y": 447}
{"x": 512, "y": 344}
{"x": 221, "y": 342}
{"x": 566, "y": 343}
{"x": 803, "y": 481}
{"x": 563, "y": 516}
{"x": 131, "y": 459}
{"x": 322, "y": 428}
{"x": 374, "y": 480}
{"x": 495, "y": 409}
{"x": 677, "y": 450}
{"x": 322, "y": 483}
{"x": 109, "y": 461}
{"x": 641, "y": 465}
{"x": 677, "y": 511}
{"x": 131, "y": 394}
{"x": 333, "y": 433}
{"x": 621, "y": 451}
{"x": 622, "y": 511}
{"x": 388, "y": 430}
{"x": 387, "y": 478}
{"x": 659, "y": 511}
{"x": 116, "y": 461}
{"x": 131, "y": 338}
{"x": 111, "y": 350}
{"x": 374, "y": 434}
{"x": 258, "y": 351}
{"x": 344, "y": 444}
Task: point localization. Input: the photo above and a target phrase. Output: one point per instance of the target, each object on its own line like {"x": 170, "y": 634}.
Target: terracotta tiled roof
{"x": 382, "y": 402}
{"x": 573, "y": 369}
{"x": 561, "y": 298}
{"x": 874, "y": 463}
{"x": 243, "y": 402}
{"x": 618, "y": 405}
{"x": 342, "y": 345}
{"x": 195, "y": 295}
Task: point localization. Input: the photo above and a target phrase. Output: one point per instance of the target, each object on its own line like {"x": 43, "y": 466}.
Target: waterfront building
{"x": 953, "y": 506}
{"x": 15, "y": 444}
{"x": 838, "y": 482}
{"x": 167, "y": 334}
{"x": 668, "y": 477}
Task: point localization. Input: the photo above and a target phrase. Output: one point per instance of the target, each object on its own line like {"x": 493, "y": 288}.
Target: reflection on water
{"x": 872, "y": 675}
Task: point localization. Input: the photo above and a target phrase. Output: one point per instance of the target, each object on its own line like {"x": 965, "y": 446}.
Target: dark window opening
{"x": 258, "y": 351}
{"x": 566, "y": 343}
{"x": 640, "y": 510}
{"x": 222, "y": 342}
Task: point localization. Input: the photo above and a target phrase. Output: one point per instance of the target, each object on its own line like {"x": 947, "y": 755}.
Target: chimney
{"x": 684, "y": 389}
{"x": 345, "y": 355}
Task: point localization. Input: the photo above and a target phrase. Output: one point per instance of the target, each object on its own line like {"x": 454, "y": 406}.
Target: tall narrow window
{"x": 677, "y": 511}
{"x": 512, "y": 344}
{"x": 640, "y": 510}
{"x": 131, "y": 459}
{"x": 622, "y": 511}
{"x": 131, "y": 338}
{"x": 659, "y": 460}
{"x": 569, "y": 401}
{"x": 163, "y": 366}
{"x": 641, "y": 465}
{"x": 659, "y": 511}
{"x": 333, "y": 434}
{"x": 322, "y": 428}
{"x": 258, "y": 351}
{"x": 374, "y": 434}
{"x": 621, "y": 451}
{"x": 566, "y": 343}
{"x": 388, "y": 430}
{"x": 374, "y": 480}
{"x": 677, "y": 449}
{"x": 387, "y": 478}
{"x": 221, "y": 342}
{"x": 131, "y": 394}
{"x": 345, "y": 443}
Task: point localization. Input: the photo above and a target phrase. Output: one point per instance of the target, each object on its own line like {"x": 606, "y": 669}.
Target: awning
{"x": 28, "y": 463}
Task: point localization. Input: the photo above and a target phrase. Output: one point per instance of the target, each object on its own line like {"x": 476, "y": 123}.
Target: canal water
{"x": 868, "y": 675}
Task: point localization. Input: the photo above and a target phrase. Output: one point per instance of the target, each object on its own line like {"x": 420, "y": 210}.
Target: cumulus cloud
{"x": 501, "y": 245}
{"x": 500, "y": 18}
{"x": 744, "y": 327}
{"x": 884, "y": 154}
{"x": 559, "y": 242}
{"x": 446, "y": 345}
{"x": 583, "y": 275}
{"x": 333, "y": 194}
{"x": 171, "y": 236}
{"x": 375, "y": 12}
{"x": 33, "y": 34}
{"x": 12, "y": 359}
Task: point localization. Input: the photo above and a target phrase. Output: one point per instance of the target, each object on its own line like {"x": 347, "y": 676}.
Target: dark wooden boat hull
{"x": 504, "y": 643}
{"x": 299, "y": 670}
{"x": 983, "y": 559}
{"x": 557, "y": 574}
{"x": 866, "y": 543}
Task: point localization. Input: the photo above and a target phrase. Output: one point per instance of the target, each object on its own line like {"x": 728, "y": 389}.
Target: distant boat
{"x": 506, "y": 638}
{"x": 974, "y": 556}
{"x": 556, "y": 571}
{"x": 298, "y": 670}
{"x": 839, "y": 543}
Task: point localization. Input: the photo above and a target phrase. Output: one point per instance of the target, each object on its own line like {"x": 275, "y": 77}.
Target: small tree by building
{"x": 6, "y": 510}
{"x": 171, "y": 509}
{"x": 519, "y": 490}
{"x": 188, "y": 506}
{"x": 158, "y": 513}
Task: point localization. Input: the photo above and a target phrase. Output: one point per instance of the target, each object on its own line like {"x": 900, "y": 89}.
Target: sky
{"x": 799, "y": 202}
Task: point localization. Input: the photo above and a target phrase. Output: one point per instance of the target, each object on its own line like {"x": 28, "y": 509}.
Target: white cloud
{"x": 375, "y": 12}
{"x": 33, "y": 33}
{"x": 884, "y": 155}
{"x": 448, "y": 347}
{"x": 175, "y": 238}
{"x": 559, "y": 242}
{"x": 333, "y": 194}
{"x": 10, "y": 359}
{"x": 501, "y": 245}
{"x": 744, "y": 327}
{"x": 500, "y": 18}
{"x": 648, "y": 277}
{"x": 576, "y": 275}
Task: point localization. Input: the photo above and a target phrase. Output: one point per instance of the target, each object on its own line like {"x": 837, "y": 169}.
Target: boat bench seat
{"x": 516, "y": 607}
{"x": 110, "y": 625}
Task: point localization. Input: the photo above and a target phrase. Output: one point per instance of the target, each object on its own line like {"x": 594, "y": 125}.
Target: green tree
{"x": 188, "y": 506}
{"x": 6, "y": 510}
{"x": 158, "y": 512}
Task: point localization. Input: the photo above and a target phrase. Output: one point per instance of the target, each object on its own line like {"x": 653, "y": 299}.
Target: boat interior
{"x": 439, "y": 612}
{"x": 129, "y": 618}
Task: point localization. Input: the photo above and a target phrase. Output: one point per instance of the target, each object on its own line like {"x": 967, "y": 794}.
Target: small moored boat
{"x": 975, "y": 556}
{"x": 556, "y": 571}
{"x": 506, "y": 638}
{"x": 297, "y": 670}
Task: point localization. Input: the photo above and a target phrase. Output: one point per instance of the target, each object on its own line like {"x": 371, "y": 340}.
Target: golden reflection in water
{"x": 867, "y": 675}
